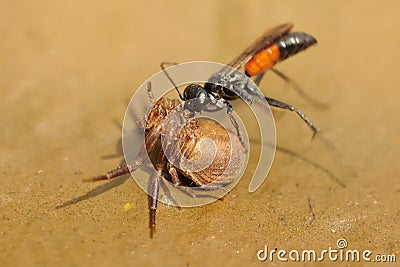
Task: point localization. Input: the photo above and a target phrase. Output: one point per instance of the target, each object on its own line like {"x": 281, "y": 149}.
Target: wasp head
{"x": 195, "y": 98}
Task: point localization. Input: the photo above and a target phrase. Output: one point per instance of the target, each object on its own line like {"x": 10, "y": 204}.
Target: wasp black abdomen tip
{"x": 294, "y": 42}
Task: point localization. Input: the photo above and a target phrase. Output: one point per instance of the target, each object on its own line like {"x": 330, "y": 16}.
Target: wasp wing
{"x": 262, "y": 42}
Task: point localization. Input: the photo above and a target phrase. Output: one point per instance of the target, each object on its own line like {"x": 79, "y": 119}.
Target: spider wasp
{"x": 275, "y": 45}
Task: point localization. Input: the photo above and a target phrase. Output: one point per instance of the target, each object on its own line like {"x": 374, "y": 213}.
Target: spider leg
{"x": 140, "y": 121}
{"x": 174, "y": 174}
{"x": 119, "y": 171}
{"x": 154, "y": 189}
{"x": 177, "y": 181}
{"x": 150, "y": 141}
{"x": 150, "y": 93}
{"x": 153, "y": 199}
{"x": 181, "y": 150}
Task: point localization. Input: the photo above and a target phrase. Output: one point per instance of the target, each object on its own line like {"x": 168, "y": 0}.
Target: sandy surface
{"x": 68, "y": 71}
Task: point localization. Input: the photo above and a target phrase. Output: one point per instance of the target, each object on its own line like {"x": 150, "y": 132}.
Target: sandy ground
{"x": 68, "y": 71}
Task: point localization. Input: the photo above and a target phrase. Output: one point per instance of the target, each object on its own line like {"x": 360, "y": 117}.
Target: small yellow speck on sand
{"x": 127, "y": 206}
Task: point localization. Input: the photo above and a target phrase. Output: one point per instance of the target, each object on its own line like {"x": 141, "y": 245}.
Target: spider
{"x": 191, "y": 147}
{"x": 187, "y": 142}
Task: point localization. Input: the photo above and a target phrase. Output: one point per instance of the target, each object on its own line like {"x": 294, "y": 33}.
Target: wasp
{"x": 275, "y": 45}
{"x": 272, "y": 47}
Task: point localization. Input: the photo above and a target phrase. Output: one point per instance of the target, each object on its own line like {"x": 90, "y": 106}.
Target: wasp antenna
{"x": 163, "y": 67}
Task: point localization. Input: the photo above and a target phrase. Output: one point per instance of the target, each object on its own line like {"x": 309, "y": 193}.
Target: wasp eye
{"x": 195, "y": 97}
{"x": 194, "y": 91}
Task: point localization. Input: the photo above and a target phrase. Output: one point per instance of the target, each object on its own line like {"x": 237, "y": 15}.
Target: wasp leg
{"x": 294, "y": 85}
{"x": 177, "y": 182}
{"x": 258, "y": 78}
{"x": 151, "y": 140}
{"x": 298, "y": 89}
{"x": 229, "y": 110}
{"x": 279, "y": 104}
{"x": 215, "y": 186}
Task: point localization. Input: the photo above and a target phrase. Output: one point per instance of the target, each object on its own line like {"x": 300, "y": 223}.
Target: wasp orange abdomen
{"x": 263, "y": 60}
{"x": 282, "y": 48}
